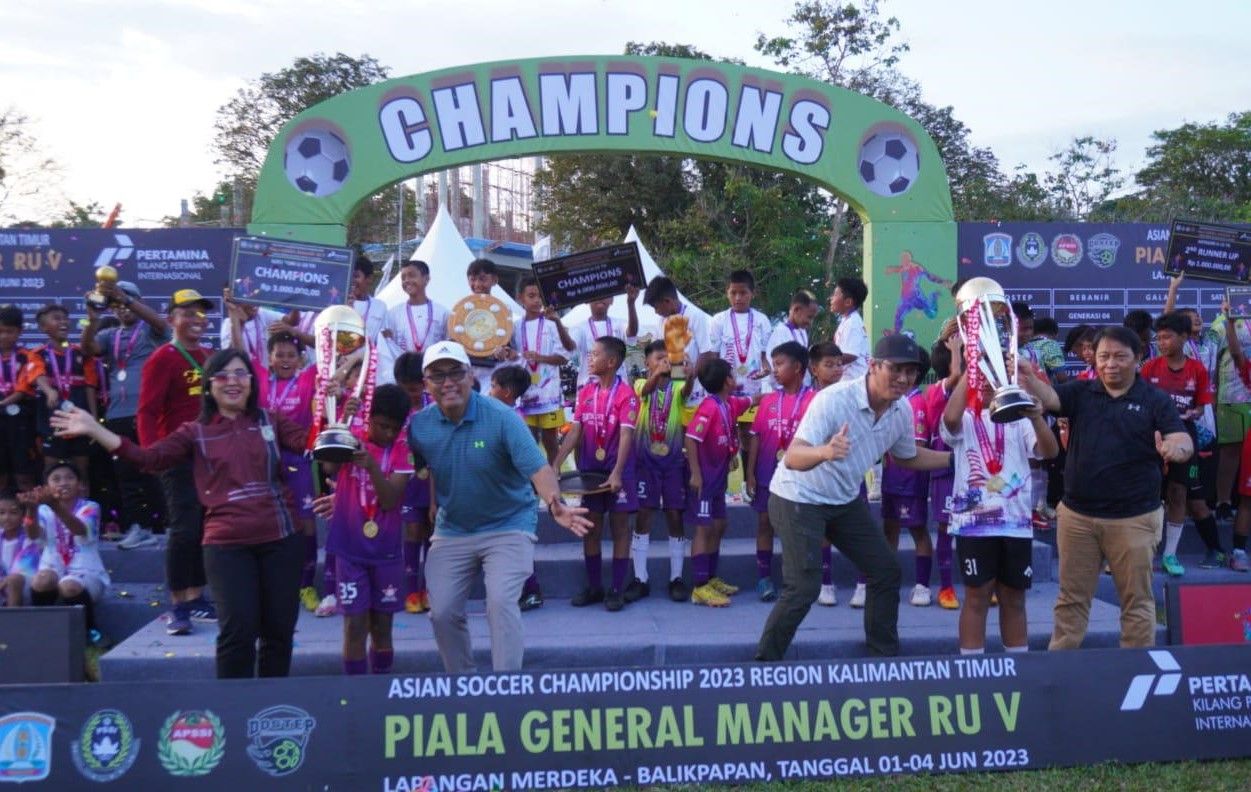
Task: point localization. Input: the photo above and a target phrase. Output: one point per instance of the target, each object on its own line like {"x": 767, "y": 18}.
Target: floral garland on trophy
{"x": 366, "y": 383}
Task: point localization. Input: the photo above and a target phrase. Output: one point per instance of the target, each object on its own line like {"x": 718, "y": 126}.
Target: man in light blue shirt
{"x": 487, "y": 469}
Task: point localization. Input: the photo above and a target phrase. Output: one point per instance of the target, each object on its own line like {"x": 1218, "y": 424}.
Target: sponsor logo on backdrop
{"x": 107, "y": 746}
{"x": 192, "y": 743}
{"x": 1102, "y": 250}
{"x": 1066, "y": 250}
{"x": 997, "y": 250}
{"x": 1157, "y": 685}
{"x": 1032, "y": 250}
{"x": 278, "y": 739}
{"x": 25, "y": 747}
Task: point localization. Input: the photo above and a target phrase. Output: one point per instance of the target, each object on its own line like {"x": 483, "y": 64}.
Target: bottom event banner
{"x": 636, "y": 726}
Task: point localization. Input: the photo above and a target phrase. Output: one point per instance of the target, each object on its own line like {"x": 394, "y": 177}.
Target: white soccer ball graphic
{"x": 316, "y": 162}
{"x": 889, "y": 162}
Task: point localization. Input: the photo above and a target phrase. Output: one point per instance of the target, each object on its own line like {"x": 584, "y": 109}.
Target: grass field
{"x": 1227, "y": 776}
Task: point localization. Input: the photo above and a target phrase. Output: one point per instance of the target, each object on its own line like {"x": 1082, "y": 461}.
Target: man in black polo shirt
{"x": 1119, "y": 429}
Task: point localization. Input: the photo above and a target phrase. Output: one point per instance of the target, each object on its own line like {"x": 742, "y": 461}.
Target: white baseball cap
{"x": 444, "y": 350}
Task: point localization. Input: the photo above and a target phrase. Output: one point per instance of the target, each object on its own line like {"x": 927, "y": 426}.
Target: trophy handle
{"x": 360, "y": 379}
{"x": 332, "y": 401}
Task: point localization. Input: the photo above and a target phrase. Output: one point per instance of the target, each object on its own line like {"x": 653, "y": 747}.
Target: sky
{"x": 123, "y": 94}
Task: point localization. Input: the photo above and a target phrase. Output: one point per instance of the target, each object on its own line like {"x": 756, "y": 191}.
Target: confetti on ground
{"x": 169, "y": 655}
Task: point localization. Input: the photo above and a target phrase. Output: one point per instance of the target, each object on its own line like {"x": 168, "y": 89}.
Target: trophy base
{"x": 335, "y": 445}
{"x": 1010, "y": 404}
{"x": 96, "y": 300}
{"x": 677, "y": 372}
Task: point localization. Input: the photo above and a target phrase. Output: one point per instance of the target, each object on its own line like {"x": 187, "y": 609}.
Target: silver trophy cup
{"x": 336, "y": 443}
{"x": 995, "y": 342}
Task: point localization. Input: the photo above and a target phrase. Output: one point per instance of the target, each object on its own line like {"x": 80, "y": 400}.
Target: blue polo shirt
{"x": 481, "y": 466}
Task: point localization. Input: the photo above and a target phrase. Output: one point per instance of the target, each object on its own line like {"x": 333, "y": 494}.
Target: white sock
{"x": 1172, "y": 537}
{"x": 1015, "y": 649}
{"x": 977, "y": 651}
{"x": 638, "y": 551}
{"x": 677, "y": 554}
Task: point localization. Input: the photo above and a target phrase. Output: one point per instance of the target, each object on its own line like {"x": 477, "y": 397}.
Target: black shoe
{"x": 678, "y": 590}
{"x": 636, "y": 590}
{"x": 614, "y": 601}
{"x": 531, "y": 600}
{"x": 1224, "y": 512}
{"x": 587, "y": 596}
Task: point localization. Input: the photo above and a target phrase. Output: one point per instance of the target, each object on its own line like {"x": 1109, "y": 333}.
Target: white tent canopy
{"x": 445, "y": 251}
{"x": 649, "y": 320}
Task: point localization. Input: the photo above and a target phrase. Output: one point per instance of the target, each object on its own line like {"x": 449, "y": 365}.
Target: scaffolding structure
{"x": 489, "y": 200}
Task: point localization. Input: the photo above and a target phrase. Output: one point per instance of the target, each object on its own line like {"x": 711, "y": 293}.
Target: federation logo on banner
{"x": 192, "y": 743}
{"x": 1066, "y": 250}
{"x": 1102, "y": 248}
{"x": 107, "y": 746}
{"x": 278, "y": 739}
{"x": 25, "y": 746}
{"x": 1032, "y": 251}
{"x": 997, "y": 250}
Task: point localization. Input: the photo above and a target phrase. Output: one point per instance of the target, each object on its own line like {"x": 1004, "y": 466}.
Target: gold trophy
{"x": 677, "y": 337}
{"x": 988, "y": 328}
{"x": 338, "y": 331}
{"x": 95, "y": 298}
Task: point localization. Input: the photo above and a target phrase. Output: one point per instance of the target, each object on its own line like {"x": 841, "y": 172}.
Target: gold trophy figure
{"x": 677, "y": 337}
{"x": 338, "y": 332}
{"x": 96, "y": 298}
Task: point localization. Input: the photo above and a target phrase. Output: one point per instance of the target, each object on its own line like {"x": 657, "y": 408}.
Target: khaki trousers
{"x": 1128, "y": 544}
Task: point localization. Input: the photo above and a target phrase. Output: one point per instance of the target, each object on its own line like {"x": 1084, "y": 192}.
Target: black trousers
{"x": 257, "y": 591}
{"x": 184, "y": 519}
{"x": 134, "y": 496}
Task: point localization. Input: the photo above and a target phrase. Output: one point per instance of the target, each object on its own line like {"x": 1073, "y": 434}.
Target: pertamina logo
{"x": 116, "y": 255}
{"x": 1142, "y": 685}
{"x": 192, "y": 743}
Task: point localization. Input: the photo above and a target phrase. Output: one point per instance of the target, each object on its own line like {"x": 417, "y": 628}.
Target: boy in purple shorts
{"x": 416, "y": 508}
{"x": 507, "y": 385}
{"x": 941, "y": 481}
{"x": 603, "y": 432}
{"x": 366, "y": 534}
{"x": 660, "y": 465}
{"x": 712, "y": 449}
{"x": 775, "y": 423}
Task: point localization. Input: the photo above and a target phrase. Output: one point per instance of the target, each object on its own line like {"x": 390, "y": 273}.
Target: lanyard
{"x": 118, "y": 360}
{"x": 538, "y": 342}
{"x": 182, "y": 350}
{"x": 798, "y": 334}
{"x": 596, "y": 336}
{"x": 660, "y": 412}
{"x": 66, "y": 381}
{"x": 276, "y": 403}
{"x": 412, "y": 327}
{"x": 993, "y": 458}
{"x": 369, "y": 306}
{"x": 6, "y": 386}
{"x": 601, "y": 429}
{"x": 65, "y": 545}
{"x": 371, "y": 509}
{"x": 731, "y": 435}
{"x": 793, "y": 420}
{"x": 742, "y": 350}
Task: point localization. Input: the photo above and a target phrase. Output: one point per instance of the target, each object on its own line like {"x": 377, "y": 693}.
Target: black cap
{"x": 897, "y": 348}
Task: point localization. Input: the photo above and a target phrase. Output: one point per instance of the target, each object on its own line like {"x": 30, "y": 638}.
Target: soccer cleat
{"x": 707, "y": 595}
{"x": 416, "y": 602}
{"x": 636, "y": 590}
{"x": 1224, "y": 511}
{"x": 587, "y": 596}
{"x": 179, "y": 622}
{"x": 921, "y": 596}
{"x": 308, "y": 598}
{"x": 136, "y": 538}
{"x": 329, "y": 606}
{"x": 947, "y": 599}
{"x": 1172, "y": 566}
{"x": 857, "y": 596}
{"x": 766, "y": 590}
{"x": 828, "y": 596}
{"x": 1214, "y": 559}
{"x": 678, "y": 590}
{"x": 529, "y": 600}
{"x": 722, "y": 587}
{"x": 613, "y": 601}
{"x": 1238, "y": 561}
{"x": 202, "y": 610}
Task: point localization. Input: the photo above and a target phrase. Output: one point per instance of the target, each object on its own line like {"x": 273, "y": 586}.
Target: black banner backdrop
{"x": 652, "y": 726}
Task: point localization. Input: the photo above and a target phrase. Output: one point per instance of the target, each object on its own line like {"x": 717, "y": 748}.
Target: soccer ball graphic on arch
{"x": 889, "y": 161}
{"x": 316, "y": 161}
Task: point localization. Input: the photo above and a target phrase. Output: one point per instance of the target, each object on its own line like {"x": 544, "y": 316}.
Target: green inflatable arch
{"x": 330, "y": 158}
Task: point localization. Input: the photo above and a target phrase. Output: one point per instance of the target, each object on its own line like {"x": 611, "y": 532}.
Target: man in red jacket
{"x": 170, "y": 394}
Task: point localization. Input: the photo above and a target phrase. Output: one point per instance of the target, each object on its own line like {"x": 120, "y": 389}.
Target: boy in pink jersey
{"x": 775, "y": 423}
{"x": 366, "y": 534}
{"x": 603, "y": 432}
{"x": 417, "y": 519}
{"x": 942, "y": 355}
{"x": 712, "y": 451}
{"x": 507, "y": 385}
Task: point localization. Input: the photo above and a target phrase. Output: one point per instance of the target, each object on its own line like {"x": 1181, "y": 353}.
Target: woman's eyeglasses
{"x": 233, "y": 375}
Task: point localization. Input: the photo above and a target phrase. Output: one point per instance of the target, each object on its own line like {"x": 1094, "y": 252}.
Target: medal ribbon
{"x": 659, "y": 412}
{"x": 6, "y": 386}
{"x": 601, "y": 429}
{"x": 369, "y": 306}
{"x": 798, "y": 334}
{"x": 730, "y": 434}
{"x": 742, "y": 350}
{"x": 118, "y": 360}
{"x": 370, "y": 510}
{"x": 596, "y": 335}
{"x": 993, "y": 458}
{"x": 275, "y": 404}
{"x": 538, "y": 342}
{"x": 793, "y": 421}
{"x": 65, "y": 545}
{"x": 66, "y": 381}
{"x": 182, "y": 350}
{"x": 412, "y": 326}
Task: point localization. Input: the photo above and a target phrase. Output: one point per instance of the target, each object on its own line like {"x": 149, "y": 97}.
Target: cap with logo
{"x": 897, "y": 348}
{"x": 444, "y": 350}
{"x": 185, "y": 297}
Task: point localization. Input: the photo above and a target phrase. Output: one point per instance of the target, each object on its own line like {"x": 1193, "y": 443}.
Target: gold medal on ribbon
{"x": 780, "y": 455}
{"x": 534, "y": 377}
{"x": 370, "y": 529}
{"x": 660, "y": 449}
{"x": 600, "y": 454}
{"x": 423, "y": 474}
{"x": 743, "y": 369}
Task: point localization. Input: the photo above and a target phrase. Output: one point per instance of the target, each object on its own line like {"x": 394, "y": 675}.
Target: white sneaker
{"x": 136, "y": 538}
{"x": 329, "y": 606}
{"x": 857, "y": 596}
{"x": 828, "y": 596}
{"x": 921, "y": 596}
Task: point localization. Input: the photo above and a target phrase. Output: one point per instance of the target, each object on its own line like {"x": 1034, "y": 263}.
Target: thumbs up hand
{"x": 838, "y": 445}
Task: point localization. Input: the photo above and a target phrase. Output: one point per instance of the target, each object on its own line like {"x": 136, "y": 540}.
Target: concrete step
{"x": 651, "y": 632}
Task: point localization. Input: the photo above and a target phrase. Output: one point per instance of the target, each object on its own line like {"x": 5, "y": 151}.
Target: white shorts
{"x": 92, "y": 584}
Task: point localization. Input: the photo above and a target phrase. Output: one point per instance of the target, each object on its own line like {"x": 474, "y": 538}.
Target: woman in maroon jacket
{"x": 253, "y": 553}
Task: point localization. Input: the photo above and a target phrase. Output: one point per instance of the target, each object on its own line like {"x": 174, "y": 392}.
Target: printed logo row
{"x": 1065, "y": 250}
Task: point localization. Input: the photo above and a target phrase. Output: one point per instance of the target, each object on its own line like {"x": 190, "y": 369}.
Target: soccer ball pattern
{"x": 316, "y": 162}
{"x": 889, "y": 163}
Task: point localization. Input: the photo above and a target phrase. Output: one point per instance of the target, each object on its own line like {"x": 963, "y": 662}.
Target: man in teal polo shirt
{"x": 487, "y": 469}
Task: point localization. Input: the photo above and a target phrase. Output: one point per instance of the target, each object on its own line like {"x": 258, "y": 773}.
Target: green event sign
{"x": 330, "y": 158}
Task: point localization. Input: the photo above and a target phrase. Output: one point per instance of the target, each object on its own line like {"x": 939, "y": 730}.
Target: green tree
{"x": 1084, "y": 177}
{"x": 76, "y": 215}
{"x": 29, "y": 179}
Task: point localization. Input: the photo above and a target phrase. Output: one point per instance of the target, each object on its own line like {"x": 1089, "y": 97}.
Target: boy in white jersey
{"x": 601, "y": 324}
{"x": 740, "y": 336}
{"x": 542, "y": 342}
{"x": 412, "y": 325}
{"x": 662, "y": 295}
{"x": 804, "y": 308}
